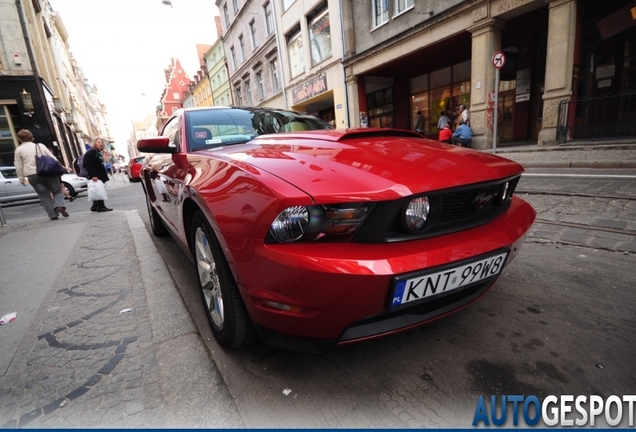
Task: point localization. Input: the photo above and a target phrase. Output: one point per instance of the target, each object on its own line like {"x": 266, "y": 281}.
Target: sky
{"x": 124, "y": 46}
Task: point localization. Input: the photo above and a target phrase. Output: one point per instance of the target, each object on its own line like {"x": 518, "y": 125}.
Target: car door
{"x": 165, "y": 186}
{"x": 11, "y": 189}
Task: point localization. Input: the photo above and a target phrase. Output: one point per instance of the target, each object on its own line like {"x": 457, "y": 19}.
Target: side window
{"x": 10, "y": 173}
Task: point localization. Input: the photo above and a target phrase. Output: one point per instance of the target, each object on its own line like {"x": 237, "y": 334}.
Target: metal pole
{"x": 3, "y": 221}
{"x": 494, "y": 136}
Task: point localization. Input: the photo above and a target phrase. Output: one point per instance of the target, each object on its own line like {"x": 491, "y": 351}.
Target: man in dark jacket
{"x": 94, "y": 164}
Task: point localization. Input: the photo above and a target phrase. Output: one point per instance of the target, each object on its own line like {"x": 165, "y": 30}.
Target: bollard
{"x": 3, "y": 221}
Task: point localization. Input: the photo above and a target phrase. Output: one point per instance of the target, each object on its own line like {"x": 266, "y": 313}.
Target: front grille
{"x": 452, "y": 210}
{"x": 416, "y": 314}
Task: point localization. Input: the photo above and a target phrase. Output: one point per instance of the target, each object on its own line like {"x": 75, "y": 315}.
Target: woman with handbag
{"x": 46, "y": 186}
{"x": 94, "y": 163}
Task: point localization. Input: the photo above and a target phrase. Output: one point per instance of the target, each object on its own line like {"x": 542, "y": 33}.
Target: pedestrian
{"x": 445, "y": 134}
{"x": 94, "y": 163}
{"x": 463, "y": 115}
{"x": 443, "y": 121}
{"x": 462, "y": 135}
{"x": 419, "y": 123}
{"x": 47, "y": 187}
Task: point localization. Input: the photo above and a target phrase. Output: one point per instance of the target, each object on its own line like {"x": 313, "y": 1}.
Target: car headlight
{"x": 416, "y": 213}
{"x": 309, "y": 223}
{"x": 291, "y": 224}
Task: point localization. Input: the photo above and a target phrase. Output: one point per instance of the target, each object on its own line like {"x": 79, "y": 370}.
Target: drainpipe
{"x": 344, "y": 73}
{"x": 25, "y": 34}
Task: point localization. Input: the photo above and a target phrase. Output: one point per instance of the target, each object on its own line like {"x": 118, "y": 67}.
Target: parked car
{"x": 314, "y": 238}
{"x": 12, "y": 190}
{"x": 134, "y": 168}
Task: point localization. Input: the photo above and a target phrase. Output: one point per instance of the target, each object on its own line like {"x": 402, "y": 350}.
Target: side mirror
{"x": 159, "y": 144}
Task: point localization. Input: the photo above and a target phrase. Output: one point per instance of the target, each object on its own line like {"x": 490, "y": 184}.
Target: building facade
{"x": 218, "y": 72}
{"x": 41, "y": 86}
{"x": 177, "y": 87}
{"x": 251, "y": 46}
{"x": 406, "y": 56}
{"x": 311, "y": 60}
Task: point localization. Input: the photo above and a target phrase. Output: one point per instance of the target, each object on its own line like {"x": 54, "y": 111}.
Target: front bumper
{"x": 340, "y": 292}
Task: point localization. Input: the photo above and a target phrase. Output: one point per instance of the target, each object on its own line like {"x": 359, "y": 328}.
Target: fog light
{"x": 417, "y": 213}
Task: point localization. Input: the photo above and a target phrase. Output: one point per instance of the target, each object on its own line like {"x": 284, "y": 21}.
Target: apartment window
{"x": 239, "y": 97}
{"x": 233, "y": 55}
{"x": 248, "y": 92}
{"x": 402, "y": 5}
{"x": 242, "y": 47}
{"x": 260, "y": 84}
{"x": 380, "y": 12}
{"x": 295, "y": 52}
{"x": 235, "y": 5}
{"x": 273, "y": 69}
{"x": 253, "y": 34}
{"x": 287, "y": 4}
{"x": 269, "y": 18}
{"x": 174, "y": 110}
{"x": 176, "y": 95}
{"x": 226, "y": 14}
{"x": 319, "y": 35}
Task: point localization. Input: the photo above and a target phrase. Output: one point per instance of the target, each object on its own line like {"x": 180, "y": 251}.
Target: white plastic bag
{"x": 97, "y": 191}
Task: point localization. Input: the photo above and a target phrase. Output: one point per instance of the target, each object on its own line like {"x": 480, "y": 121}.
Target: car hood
{"x": 330, "y": 164}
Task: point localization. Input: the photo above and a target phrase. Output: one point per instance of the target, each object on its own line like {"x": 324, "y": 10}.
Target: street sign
{"x": 499, "y": 59}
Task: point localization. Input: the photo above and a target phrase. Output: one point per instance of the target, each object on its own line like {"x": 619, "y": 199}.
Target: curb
{"x": 579, "y": 164}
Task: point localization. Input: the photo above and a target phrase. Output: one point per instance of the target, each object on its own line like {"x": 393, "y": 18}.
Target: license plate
{"x": 428, "y": 285}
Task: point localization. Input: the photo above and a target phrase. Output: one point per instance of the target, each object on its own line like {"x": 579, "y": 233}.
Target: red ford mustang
{"x": 312, "y": 238}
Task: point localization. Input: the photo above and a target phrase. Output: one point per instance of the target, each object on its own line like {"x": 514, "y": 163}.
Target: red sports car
{"x": 134, "y": 168}
{"x": 312, "y": 238}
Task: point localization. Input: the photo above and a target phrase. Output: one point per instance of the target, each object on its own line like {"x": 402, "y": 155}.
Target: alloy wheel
{"x": 209, "y": 279}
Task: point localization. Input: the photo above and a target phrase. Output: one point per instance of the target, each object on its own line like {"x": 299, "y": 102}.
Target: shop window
{"x": 440, "y": 77}
{"x": 441, "y": 103}
{"x": 380, "y": 105}
{"x": 319, "y": 35}
{"x": 419, "y": 102}
{"x": 419, "y": 84}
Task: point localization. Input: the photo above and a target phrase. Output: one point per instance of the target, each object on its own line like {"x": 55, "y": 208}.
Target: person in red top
{"x": 445, "y": 134}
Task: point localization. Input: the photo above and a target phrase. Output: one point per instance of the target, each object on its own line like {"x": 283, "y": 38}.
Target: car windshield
{"x": 223, "y": 127}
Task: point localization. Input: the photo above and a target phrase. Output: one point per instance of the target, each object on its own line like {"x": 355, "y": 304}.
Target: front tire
{"x": 70, "y": 189}
{"x": 156, "y": 224}
{"x": 224, "y": 307}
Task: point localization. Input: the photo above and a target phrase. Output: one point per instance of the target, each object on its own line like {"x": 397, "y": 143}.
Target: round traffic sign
{"x": 499, "y": 59}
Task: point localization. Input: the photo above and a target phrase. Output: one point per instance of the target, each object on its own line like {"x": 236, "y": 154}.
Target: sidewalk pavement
{"x": 598, "y": 154}
{"x": 103, "y": 338}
